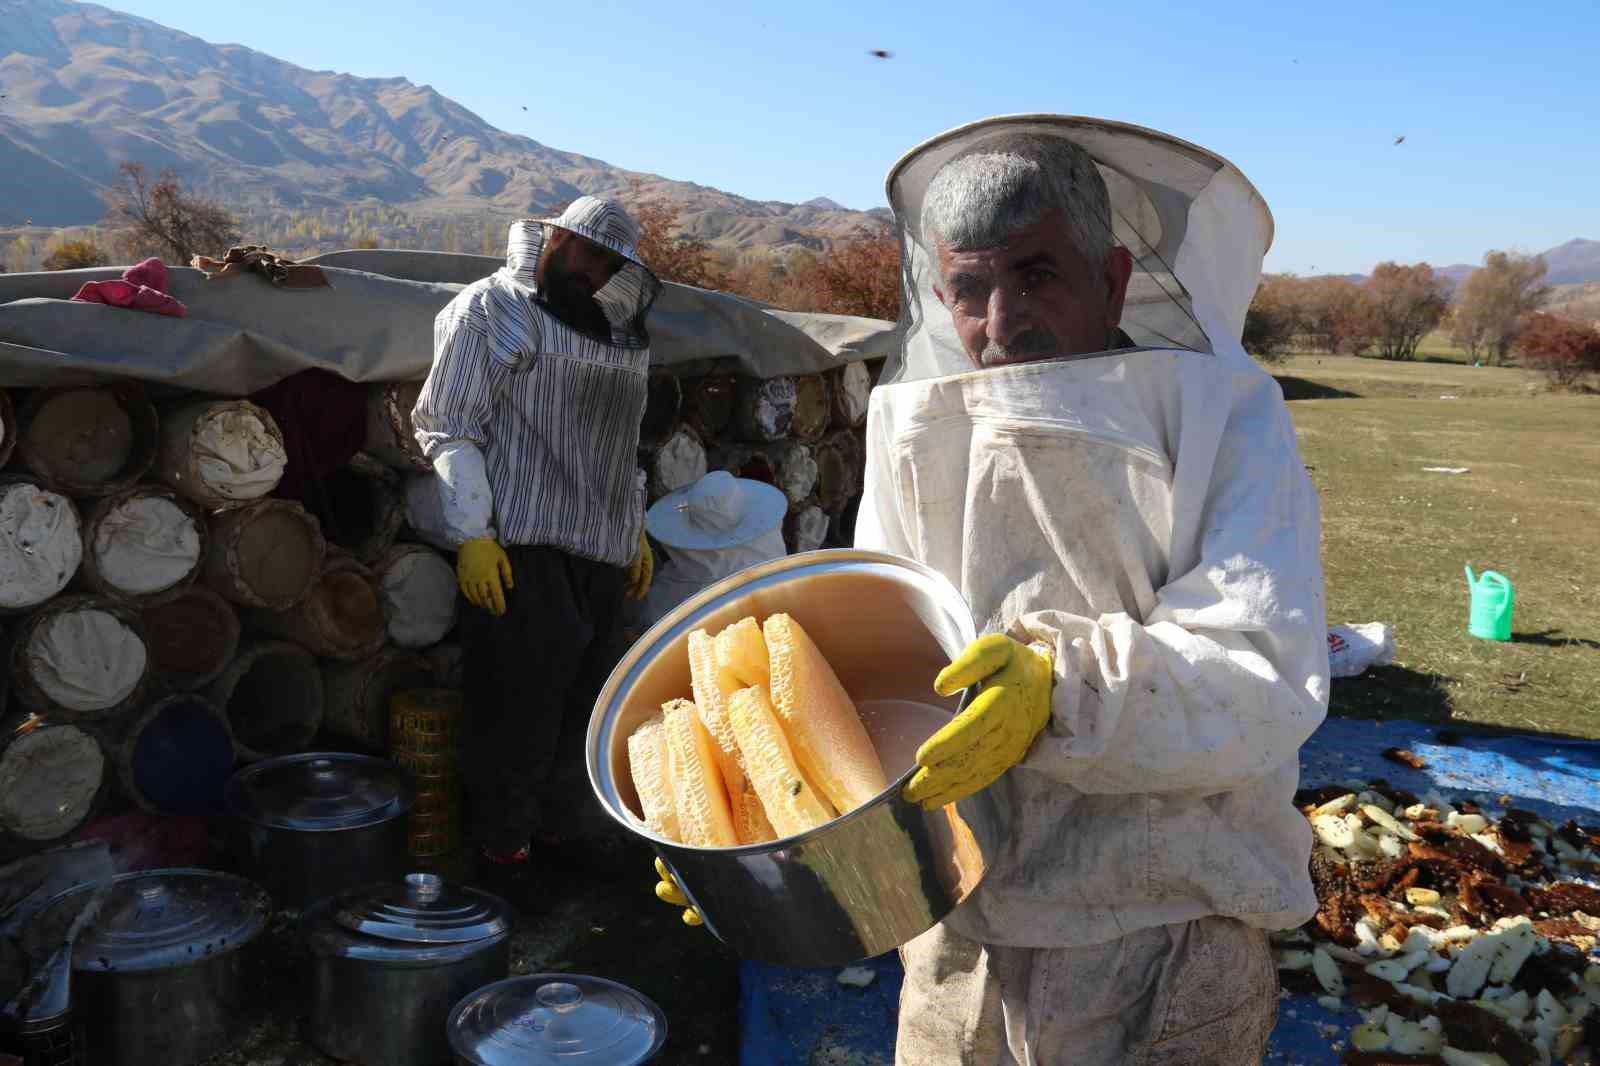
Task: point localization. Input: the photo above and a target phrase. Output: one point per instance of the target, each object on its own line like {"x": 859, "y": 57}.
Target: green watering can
{"x": 1492, "y": 600}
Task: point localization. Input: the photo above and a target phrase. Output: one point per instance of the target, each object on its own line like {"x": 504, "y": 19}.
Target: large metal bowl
{"x": 868, "y": 881}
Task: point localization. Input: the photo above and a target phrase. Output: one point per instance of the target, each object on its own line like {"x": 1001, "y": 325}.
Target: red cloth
{"x": 143, "y": 841}
{"x": 143, "y": 288}
{"x": 324, "y": 422}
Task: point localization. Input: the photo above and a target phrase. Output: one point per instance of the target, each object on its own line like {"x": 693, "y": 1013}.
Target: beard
{"x": 1036, "y": 343}
{"x": 570, "y": 299}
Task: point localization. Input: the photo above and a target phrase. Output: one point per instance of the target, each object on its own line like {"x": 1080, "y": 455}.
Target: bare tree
{"x": 1406, "y": 303}
{"x": 1495, "y": 300}
{"x": 163, "y": 215}
{"x": 19, "y": 255}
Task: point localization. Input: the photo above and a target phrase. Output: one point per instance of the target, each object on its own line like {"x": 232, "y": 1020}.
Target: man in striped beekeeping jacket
{"x": 530, "y": 417}
{"x": 1073, "y": 435}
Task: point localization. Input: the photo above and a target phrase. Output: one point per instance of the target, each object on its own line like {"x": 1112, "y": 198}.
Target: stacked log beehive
{"x": 120, "y": 540}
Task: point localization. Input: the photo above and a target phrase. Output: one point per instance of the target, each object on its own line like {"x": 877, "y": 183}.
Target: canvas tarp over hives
{"x": 374, "y": 323}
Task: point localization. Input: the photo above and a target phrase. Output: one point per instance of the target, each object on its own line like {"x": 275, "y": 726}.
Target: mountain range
{"x": 1576, "y": 261}
{"x": 85, "y": 88}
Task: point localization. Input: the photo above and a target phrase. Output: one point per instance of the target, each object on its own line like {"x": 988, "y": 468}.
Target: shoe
{"x": 507, "y": 874}
{"x": 519, "y": 857}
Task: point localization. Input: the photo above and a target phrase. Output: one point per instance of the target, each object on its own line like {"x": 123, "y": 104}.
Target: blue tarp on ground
{"x": 806, "y": 1018}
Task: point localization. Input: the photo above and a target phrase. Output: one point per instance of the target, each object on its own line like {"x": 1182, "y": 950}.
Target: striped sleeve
{"x": 468, "y": 374}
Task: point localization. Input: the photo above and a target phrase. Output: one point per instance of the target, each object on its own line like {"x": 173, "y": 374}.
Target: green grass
{"x": 1395, "y": 538}
{"x": 1437, "y": 346}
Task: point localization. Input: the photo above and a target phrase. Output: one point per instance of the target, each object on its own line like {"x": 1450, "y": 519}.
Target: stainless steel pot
{"x": 556, "y": 1019}
{"x": 389, "y": 961}
{"x": 156, "y": 977}
{"x": 866, "y": 882}
{"x": 311, "y": 826}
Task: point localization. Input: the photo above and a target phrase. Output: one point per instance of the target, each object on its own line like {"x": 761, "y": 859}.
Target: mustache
{"x": 1035, "y": 343}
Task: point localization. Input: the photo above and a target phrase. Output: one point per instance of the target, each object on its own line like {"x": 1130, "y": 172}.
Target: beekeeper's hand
{"x": 484, "y": 573}
{"x": 642, "y": 571}
{"x": 994, "y": 732}
{"x": 667, "y": 891}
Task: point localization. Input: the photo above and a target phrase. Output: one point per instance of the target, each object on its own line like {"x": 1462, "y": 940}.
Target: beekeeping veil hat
{"x": 624, "y": 300}
{"x": 713, "y": 528}
{"x": 1196, "y": 228}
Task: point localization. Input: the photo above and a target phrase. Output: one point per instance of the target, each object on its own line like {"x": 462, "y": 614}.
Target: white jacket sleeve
{"x": 452, "y": 414}
{"x": 1228, "y": 675}
{"x": 465, "y": 501}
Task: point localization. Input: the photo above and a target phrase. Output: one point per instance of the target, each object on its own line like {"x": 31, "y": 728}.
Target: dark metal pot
{"x": 311, "y": 826}
{"x": 389, "y": 961}
{"x": 156, "y": 977}
{"x": 556, "y": 1019}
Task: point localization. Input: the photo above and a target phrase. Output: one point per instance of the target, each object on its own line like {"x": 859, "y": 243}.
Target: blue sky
{"x": 1499, "y": 104}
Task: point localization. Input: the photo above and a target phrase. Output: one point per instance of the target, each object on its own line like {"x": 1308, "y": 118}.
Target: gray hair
{"x": 979, "y": 199}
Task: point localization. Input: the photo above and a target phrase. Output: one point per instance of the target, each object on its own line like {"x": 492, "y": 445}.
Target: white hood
{"x": 1197, "y": 228}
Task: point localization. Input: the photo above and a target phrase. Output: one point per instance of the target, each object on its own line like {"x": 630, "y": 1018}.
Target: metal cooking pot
{"x": 156, "y": 977}
{"x": 866, "y": 882}
{"x": 556, "y": 1019}
{"x": 390, "y": 960}
{"x": 311, "y": 826}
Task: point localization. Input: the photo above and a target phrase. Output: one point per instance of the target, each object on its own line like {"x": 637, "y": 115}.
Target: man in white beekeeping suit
{"x": 1075, "y": 438}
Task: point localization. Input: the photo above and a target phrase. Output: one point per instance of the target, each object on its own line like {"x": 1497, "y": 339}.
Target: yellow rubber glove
{"x": 643, "y": 570}
{"x": 668, "y": 891}
{"x": 994, "y": 732}
{"x": 484, "y": 573}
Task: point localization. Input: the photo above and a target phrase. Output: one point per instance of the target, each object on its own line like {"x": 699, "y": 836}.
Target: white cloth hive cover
{"x": 712, "y": 529}
{"x": 146, "y": 545}
{"x": 717, "y": 511}
{"x": 48, "y": 778}
{"x": 40, "y": 545}
{"x": 688, "y": 571}
{"x": 238, "y": 458}
{"x": 86, "y": 660}
{"x": 419, "y": 599}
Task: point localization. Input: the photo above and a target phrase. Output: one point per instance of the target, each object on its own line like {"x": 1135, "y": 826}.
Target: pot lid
{"x": 319, "y": 791}
{"x": 556, "y": 1018}
{"x": 423, "y": 909}
{"x": 156, "y": 919}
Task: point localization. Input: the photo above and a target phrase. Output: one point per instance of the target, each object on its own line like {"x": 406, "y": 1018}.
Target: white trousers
{"x": 1201, "y": 993}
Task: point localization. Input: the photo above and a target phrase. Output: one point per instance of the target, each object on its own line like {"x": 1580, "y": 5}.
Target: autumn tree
{"x": 1566, "y": 350}
{"x": 765, "y": 278}
{"x": 1335, "y": 315}
{"x": 162, "y": 215}
{"x": 19, "y": 256}
{"x": 1494, "y": 301}
{"x": 1406, "y": 303}
{"x": 75, "y": 255}
{"x": 859, "y": 275}
{"x": 671, "y": 255}
{"x": 1274, "y": 319}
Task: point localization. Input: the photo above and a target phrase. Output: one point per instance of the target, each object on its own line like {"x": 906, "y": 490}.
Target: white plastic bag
{"x": 1353, "y": 650}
